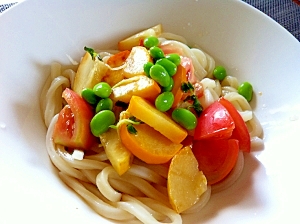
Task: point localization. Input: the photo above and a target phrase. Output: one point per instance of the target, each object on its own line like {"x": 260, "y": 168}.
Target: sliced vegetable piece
{"x": 216, "y": 158}
{"x": 134, "y": 64}
{"x": 146, "y": 112}
{"x": 214, "y": 122}
{"x": 119, "y": 156}
{"x": 240, "y": 132}
{"x": 72, "y": 128}
{"x": 148, "y": 144}
{"x": 179, "y": 78}
{"x": 118, "y": 59}
{"x": 89, "y": 73}
{"x": 139, "y": 85}
{"x": 136, "y": 39}
{"x": 185, "y": 182}
{"x": 112, "y": 77}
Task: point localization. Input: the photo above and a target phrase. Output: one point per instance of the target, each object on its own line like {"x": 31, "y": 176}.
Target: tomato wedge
{"x": 216, "y": 158}
{"x": 240, "y": 132}
{"x": 72, "y": 128}
{"x": 214, "y": 122}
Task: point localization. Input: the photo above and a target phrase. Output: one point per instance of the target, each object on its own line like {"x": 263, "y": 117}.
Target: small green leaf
{"x": 131, "y": 129}
{"x": 196, "y": 104}
{"x": 186, "y": 86}
{"x": 92, "y": 52}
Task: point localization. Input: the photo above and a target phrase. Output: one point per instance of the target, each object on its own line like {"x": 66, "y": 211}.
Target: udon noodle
{"x": 140, "y": 193}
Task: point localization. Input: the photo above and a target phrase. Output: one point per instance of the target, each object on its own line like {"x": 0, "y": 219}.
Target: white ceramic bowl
{"x": 252, "y": 46}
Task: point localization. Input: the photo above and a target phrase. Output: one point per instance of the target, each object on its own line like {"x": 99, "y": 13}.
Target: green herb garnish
{"x": 187, "y": 86}
{"x": 131, "y": 129}
{"x": 93, "y": 53}
{"x": 196, "y": 104}
{"x": 129, "y": 122}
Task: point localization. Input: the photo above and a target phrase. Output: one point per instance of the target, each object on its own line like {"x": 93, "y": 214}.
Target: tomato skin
{"x": 72, "y": 128}
{"x": 240, "y": 132}
{"x": 214, "y": 122}
{"x": 216, "y": 158}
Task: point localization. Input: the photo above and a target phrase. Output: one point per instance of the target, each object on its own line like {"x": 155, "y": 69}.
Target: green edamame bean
{"x": 156, "y": 53}
{"x": 104, "y": 104}
{"x": 147, "y": 67}
{"x": 164, "y": 101}
{"x": 175, "y": 58}
{"x": 246, "y": 90}
{"x": 169, "y": 87}
{"x": 168, "y": 65}
{"x": 101, "y": 121}
{"x": 89, "y": 96}
{"x": 151, "y": 42}
{"x": 160, "y": 75}
{"x": 102, "y": 89}
{"x": 184, "y": 118}
{"x": 219, "y": 72}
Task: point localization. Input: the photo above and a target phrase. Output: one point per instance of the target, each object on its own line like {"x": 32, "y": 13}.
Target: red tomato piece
{"x": 216, "y": 158}
{"x": 72, "y": 128}
{"x": 214, "y": 122}
{"x": 240, "y": 132}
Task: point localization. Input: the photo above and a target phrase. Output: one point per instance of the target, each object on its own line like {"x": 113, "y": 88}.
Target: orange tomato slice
{"x": 148, "y": 144}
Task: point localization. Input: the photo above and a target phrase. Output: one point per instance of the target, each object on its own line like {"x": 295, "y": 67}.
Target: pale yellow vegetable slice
{"x": 89, "y": 73}
{"x": 139, "y": 85}
{"x": 185, "y": 182}
{"x": 119, "y": 156}
{"x": 113, "y": 76}
{"x": 134, "y": 64}
{"x": 135, "y": 39}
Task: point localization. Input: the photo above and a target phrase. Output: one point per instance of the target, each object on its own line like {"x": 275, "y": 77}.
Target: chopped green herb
{"x": 93, "y": 53}
{"x": 196, "y": 104}
{"x": 131, "y": 129}
{"x": 186, "y": 86}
